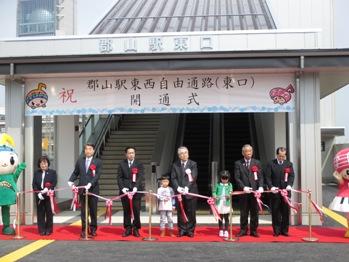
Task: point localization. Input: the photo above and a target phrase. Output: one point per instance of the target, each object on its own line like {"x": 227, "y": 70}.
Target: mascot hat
{"x": 6, "y": 143}
{"x": 341, "y": 160}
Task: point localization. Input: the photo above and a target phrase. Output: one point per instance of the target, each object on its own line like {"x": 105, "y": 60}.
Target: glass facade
{"x": 36, "y": 17}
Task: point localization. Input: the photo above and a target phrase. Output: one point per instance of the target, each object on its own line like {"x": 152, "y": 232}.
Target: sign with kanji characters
{"x": 161, "y": 94}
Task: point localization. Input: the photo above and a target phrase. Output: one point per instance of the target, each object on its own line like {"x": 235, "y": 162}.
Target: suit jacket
{"x": 87, "y": 176}
{"x": 50, "y": 177}
{"x": 180, "y": 178}
{"x": 275, "y": 174}
{"x": 125, "y": 176}
{"x": 245, "y": 177}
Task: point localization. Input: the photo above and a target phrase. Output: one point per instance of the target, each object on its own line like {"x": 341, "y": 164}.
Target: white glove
{"x": 88, "y": 186}
{"x": 124, "y": 190}
{"x": 261, "y": 189}
{"x": 70, "y": 184}
{"x": 274, "y": 189}
{"x": 44, "y": 191}
{"x": 134, "y": 190}
{"x": 288, "y": 188}
{"x": 180, "y": 190}
{"x": 186, "y": 190}
{"x": 247, "y": 189}
{"x": 40, "y": 196}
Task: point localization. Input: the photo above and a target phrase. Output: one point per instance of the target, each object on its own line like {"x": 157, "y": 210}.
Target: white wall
{"x": 296, "y": 14}
{"x": 334, "y": 106}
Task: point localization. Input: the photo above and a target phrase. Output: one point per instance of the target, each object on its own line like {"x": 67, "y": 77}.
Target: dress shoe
{"x": 136, "y": 232}
{"x": 276, "y": 234}
{"x": 82, "y": 235}
{"x": 254, "y": 234}
{"x": 285, "y": 234}
{"x": 93, "y": 232}
{"x": 127, "y": 232}
{"x": 48, "y": 233}
{"x": 190, "y": 234}
{"x": 42, "y": 233}
{"x": 241, "y": 233}
{"x": 181, "y": 233}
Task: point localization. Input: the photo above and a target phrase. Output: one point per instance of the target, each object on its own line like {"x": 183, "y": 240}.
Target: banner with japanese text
{"x": 160, "y": 94}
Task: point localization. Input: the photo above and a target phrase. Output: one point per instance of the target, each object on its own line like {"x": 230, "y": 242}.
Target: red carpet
{"x": 202, "y": 234}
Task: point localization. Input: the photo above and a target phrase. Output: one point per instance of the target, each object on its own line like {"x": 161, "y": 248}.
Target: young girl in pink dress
{"x": 341, "y": 202}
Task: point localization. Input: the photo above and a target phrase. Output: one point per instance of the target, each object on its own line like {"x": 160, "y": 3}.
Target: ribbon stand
{"x": 86, "y": 216}
{"x": 309, "y": 238}
{"x": 231, "y": 238}
{"x": 18, "y": 217}
{"x": 150, "y": 238}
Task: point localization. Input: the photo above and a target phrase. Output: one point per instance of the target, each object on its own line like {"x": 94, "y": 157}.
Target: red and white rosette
{"x": 134, "y": 171}
{"x": 254, "y": 170}
{"x": 75, "y": 203}
{"x": 108, "y": 210}
{"x": 93, "y": 169}
{"x": 287, "y": 171}
{"x": 188, "y": 172}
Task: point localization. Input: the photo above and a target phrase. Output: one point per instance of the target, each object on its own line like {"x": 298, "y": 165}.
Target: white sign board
{"x": 160, "y": 94}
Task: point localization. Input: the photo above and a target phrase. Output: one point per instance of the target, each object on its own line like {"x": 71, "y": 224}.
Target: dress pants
{"x": 189, "y": 205}
{"x": 248, "y": 206}
{"x": 92, "y": 209}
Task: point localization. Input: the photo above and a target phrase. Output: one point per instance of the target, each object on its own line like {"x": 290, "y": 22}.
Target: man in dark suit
{"x": 249, "y": 177}
{"x": 279, "y": 174}
{"x": 88, "y": 171}
{"x": 130, "y": 180}
{"x": 183, "y": 178}
{"x": 43, "y": 180}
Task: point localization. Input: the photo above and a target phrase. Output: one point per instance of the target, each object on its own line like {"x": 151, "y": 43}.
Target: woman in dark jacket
{"x": 44, "y": 179}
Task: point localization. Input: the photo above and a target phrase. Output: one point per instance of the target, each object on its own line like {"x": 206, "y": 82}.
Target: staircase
{"x": 197, "y": 139}
{"x": 139, "y": 131}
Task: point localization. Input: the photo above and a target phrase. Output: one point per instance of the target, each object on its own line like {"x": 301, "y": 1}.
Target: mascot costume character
{"x": 9, "y": 174}
{"x": 341, "y": 202}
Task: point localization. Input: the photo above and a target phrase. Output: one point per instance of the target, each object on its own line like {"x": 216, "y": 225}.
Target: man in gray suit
{"x": 183, "y": 178}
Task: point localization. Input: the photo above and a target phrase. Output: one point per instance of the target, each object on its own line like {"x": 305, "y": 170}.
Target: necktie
{"x": 248, "y": 163}
{"x": 129, "y": 163}
{"x": 87, "y": 164}
{"x": 42, "y": 179}
{"x": 183, "y": 165}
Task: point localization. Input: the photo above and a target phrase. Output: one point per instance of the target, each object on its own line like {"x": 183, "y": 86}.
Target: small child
{"x": 222, "y": 195}
{"x": 166, "y": 204}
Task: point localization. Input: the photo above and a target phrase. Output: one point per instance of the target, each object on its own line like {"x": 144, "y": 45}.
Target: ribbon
{"x": 213, "y": 207}
{"x": 75, "y": 203}
{"x": 286, "y": 177}
{"x": 260, "y": 203}
{"x": 54, "y": 206}
{"x": 108, "y": 210}
{"x": 287, "y": 200}
{"x": 130, "y": 197}
{"x": 318, "y": 210}
{"x": 184, "y": 216}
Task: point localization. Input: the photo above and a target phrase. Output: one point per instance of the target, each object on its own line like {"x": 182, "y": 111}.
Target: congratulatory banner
{"x": 160, "y": 94}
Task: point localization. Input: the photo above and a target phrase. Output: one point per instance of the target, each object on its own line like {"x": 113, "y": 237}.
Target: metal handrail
{"x": 109, "y": 124}
{"x": 85, "y": 125}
